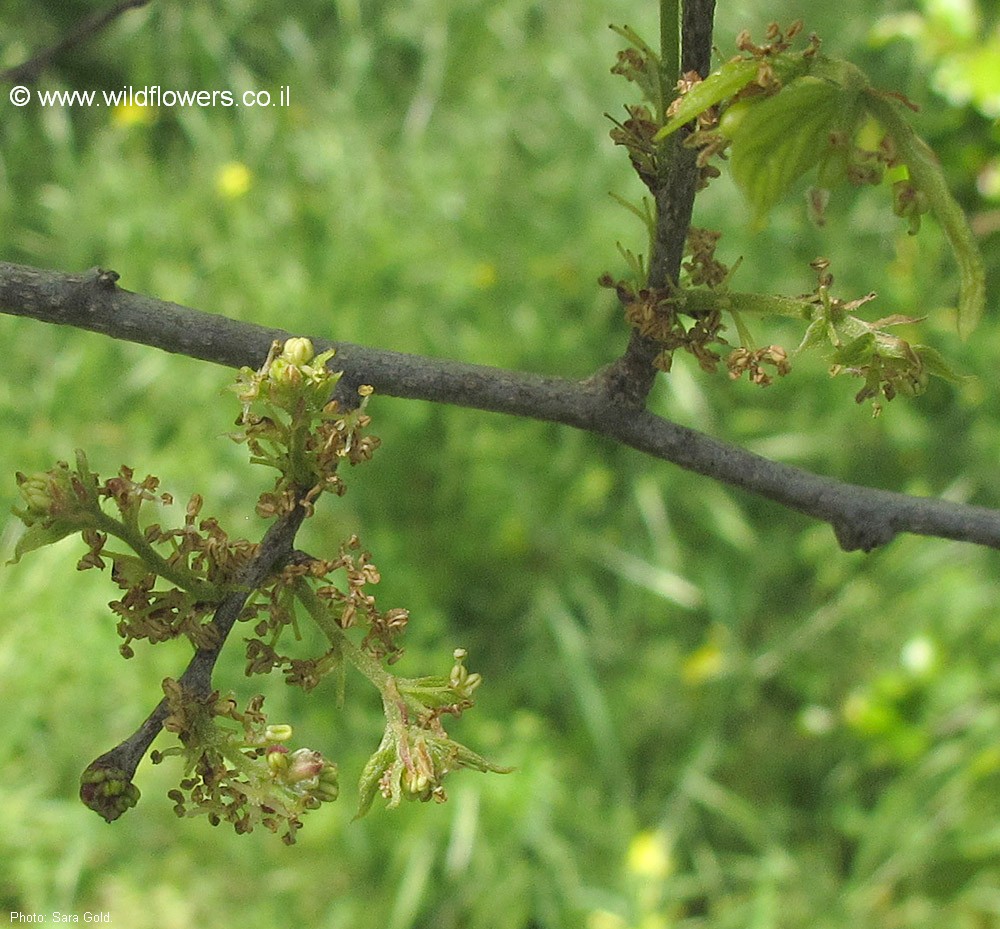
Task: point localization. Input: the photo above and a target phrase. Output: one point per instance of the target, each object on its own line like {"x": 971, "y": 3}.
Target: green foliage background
{"x": 718, "y": 719}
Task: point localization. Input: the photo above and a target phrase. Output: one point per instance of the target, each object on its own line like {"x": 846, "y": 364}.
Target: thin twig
{"x": 274, "y": 549}
{"x": 28, "y": 71}
{"x": 862, "y": 517}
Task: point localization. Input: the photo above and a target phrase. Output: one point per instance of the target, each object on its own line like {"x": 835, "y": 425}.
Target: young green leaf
{"x": 934, "y": 363}
{"x": 42, "y": 534}
{"x": 856, "y": 351}
{"x": 729, "y": 80}
{"x": 725, "y": 83}
{"x": 781, "y": 137}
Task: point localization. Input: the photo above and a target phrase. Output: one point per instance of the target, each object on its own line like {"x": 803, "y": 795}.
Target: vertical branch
{"x": 696, "y": 52}
{"x": 691, "y": 49}
{"x": 686, "y": 40}
{"x": 664, "y": 262}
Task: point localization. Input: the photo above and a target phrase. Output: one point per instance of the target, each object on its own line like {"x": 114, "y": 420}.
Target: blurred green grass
{"x": 717, "y": 718}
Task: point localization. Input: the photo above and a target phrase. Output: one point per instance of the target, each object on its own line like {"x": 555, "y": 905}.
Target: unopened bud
{"x": 415, "y": 784}
{"x": 298, "y": 351}
{"x": 37, "y": 492}
{"x": 305, "y": 764}
{"x": 285, "y": 373}
{"x": 328, "y": 788}
{"x": 278, "y": 733}
{"x": 277, "y": 759}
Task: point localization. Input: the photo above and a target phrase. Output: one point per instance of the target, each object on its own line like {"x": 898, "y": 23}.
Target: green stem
{"x": 393, "y": 706}
{"x": 705, "y": 301}
{"x": 338, "y": 637}
{"x": 393, "y": 700}
{"x": 299, "y": 472}
{"x": 670, "y": 52}
{"x": 177, "y": 575}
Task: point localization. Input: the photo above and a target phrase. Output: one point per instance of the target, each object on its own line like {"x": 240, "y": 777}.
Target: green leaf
{"x": 380, "y": 761}
{"x": 467, "y": 758}
{"x": 817, "y": 334}
{"x": 782, "y": 137}
{"x": 935, "y": 364}
{"x": 855, "y": 352}
{"x": 42, "y": 534}
{"x": 728, "y": 81}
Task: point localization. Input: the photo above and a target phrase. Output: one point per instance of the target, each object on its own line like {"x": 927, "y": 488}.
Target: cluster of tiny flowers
{"x": 176, "y": 582}
{"x": 289, "y": 422}
{"x": 198, "y": 560}
{"x": 752, "y": 361}
{"x": 416, "y": 753}
{"x": 656, "y": 314}
{"x": 246, "y": 777}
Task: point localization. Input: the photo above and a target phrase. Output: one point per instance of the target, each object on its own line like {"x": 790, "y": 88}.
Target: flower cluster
{"x": 192, "y": 581}
{"x": 640, "y": 65}
{"x": 637, "y": 134}
{"x": 290, "y": 422}
{"x": 198, "y": 561}
{"x": 416, "y": 753}
{"x": 244, "y": 776}
{"x": 703, "y": 269}
{"x": 657, "y": 314}
{"x": 888, "y": 364}
{"x": 273, "y": 610}
{"x": 752, "y": 361}
{"x": 108, "y": 791}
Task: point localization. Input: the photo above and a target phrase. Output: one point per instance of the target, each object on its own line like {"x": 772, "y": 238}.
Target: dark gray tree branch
{"x": 631, "y": 376}
{"x": 862, "y": 518}
{"x": 28, "y": 71}
{"x": 696, "y": 35}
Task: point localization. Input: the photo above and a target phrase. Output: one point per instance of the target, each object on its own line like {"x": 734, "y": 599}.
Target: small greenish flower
{"x": 58, "y": 503}
{"x": 411, "y": 763}
{"x": 327, "y": 788}
{"x": 37, "y": 492}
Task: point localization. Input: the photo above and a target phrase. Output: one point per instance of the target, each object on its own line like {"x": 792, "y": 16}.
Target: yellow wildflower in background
{"x": 649, "y": 856}
{"x": 709, "y": 661}
{"x": 605, "y": 919}
{"x": 125, "y": 114}
{"x": 233, "y": 180}
{"x": 484, "y": 275}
